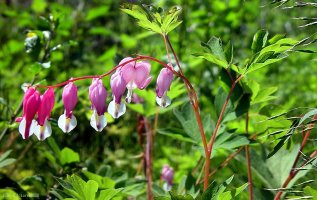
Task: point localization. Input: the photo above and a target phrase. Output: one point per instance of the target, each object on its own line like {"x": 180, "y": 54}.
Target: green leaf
{"x": 186, "y": 117}
{"x": 229, "y": 52}
{"x": 67, "y": 156}
{"x": 225, "y": 196}
{"x": 212, "y": 58}
{"x": 259, "y": 40}
{"x": 96, "y": 12}
{"x": 307, "y": 116}
{"x": 172, "y": 133}
{"x": 241, "y": 189}
{"x": 39, "y": 5}
{"x": 135, "y": 11}
{"x": 284, "y": 139}
{"x": 220, "y": 99}
{"x": 5, "y": 155}
{"x": 230, "y": 141}
{"x": 281, "y": 163}
{"x": 264, "y": 95}
{"x": 81, "y": 189}
{"x": 9, "y": 194}
{"x": 53, "y": 145}
{"x": 170, "y": 19}
{"x": 311, "y": 192}
{"x": 243, "y": 105}
{"x": 214, "y": 191}
{"x": 35, "y": 68}
{"x": 137, "y": 108}
{"x": 215, "y": 46}
{"x": 103, "y": 182}
{"x": 214, "y": 52}
{"x": 7, "y": 162}
{"x": 271, "y": 54}
{"x": 175, "y": 196}
{"x": 108, "y": 194}
{"x": 150, "y": 26}
{"x": 141, "y": 15}
{"x": 4, "y": 161}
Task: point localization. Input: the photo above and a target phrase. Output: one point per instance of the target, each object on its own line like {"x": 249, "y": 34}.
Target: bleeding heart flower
{"x": 31, "y": 103}
{"x": 167, "y": 175}
{"x": 117, "y": 108}
{"x": 163, "y": 84}
{"x": 98, "y": 96}
{"x": 136, "y": 75}
{"x": 43, "y": 128}
{"x": 67, "y": 121}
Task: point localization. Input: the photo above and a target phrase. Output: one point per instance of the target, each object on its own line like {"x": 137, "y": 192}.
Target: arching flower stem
{"x": 195, "y": 104}
{"x": 139, "y": 57}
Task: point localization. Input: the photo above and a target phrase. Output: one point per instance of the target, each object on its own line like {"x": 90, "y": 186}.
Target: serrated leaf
{"x": 215, "y": 46}
{"x": 264, "y": 95}
{"x": 150, "y": 26}
{"x": 212, "y": 58}
{"x": 103, "y": 182}
{"x": 259, "y": 40}
{"x": 135, "y": 11}
{"x": 214, "y": 191}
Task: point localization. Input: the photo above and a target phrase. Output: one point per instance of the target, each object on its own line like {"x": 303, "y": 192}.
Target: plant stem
{"x": 226, "y": 161}
{"x": 223, "y": 109}
{"x": 293, "y": 170}
{"x": 194, "y": 102}
{"x": 247, "y": 155}
{"x": 148, "y": 159}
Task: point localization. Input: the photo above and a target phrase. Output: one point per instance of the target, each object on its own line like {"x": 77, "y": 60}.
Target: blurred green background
{"x": 91, "y": 37}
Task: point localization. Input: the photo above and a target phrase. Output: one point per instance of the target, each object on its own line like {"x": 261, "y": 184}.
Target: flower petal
{"x": 145, "y": 83}
{"x": 116, "y": 110}
{"x": 164, "y": 101}
{"x": 98, "y": 122}
{"x": 67, "y": 124}
{"x": 43, "y": 132}
{"x": 26, "y": 129}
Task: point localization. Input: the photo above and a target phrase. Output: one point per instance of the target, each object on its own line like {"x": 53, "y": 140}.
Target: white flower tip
{"x": 167, "y": 187}
{"x": 67, "y": 124}
{"x": 43, "y": 132}
{"x": 22, "y": 128}
{"x": 98, "y": 122}
{"x": 116, "y": 110}
{"x": 164, "y": 101}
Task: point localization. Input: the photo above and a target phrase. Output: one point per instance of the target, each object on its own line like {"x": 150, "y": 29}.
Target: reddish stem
{"x": 194, "y": 102}
{"x": 226, "y": 161}
{"x": 293, "y": 170}
{"x": 148, "y": 159}
{"x": 222, "y": 112}
{"x": 247, "y": 153}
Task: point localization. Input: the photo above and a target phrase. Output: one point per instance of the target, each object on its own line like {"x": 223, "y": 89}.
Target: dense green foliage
{"x": 216, "y": 42}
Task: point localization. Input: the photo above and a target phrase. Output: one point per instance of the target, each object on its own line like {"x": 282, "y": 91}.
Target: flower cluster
{"x": 129, "y": 76}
